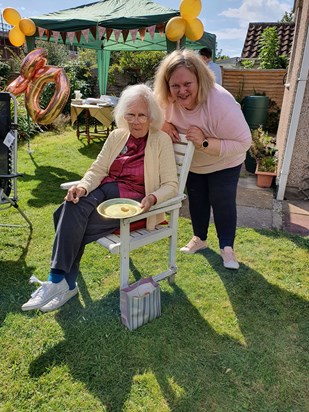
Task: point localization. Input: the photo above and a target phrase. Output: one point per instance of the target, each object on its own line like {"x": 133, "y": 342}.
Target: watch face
{"x": 205, "y": 143}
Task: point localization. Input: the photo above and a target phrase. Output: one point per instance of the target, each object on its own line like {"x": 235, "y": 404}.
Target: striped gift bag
{"x": 140, "y": 303}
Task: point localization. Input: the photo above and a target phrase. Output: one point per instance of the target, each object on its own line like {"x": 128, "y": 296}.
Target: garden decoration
{"x": 22, "y": 27}
{"x": 187, "y": 24}
{"x": 34, "y": 76}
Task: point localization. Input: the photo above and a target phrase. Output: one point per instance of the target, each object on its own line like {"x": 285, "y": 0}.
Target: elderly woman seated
{"x": 137, "y": 162}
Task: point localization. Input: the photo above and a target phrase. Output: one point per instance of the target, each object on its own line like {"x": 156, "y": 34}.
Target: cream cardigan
{"x": 159, "y": 167}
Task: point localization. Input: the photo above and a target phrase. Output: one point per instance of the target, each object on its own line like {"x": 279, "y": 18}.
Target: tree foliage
{"x": 269, "y": 47}
{"x": 288, "y": 17}
{"x": 140, "y": 65}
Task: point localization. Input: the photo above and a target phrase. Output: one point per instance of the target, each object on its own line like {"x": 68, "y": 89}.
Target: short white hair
{"x": 129, "y": 95}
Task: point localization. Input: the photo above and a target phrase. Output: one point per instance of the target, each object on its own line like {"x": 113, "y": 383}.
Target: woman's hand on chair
{"x": 171, "y": 130}
{"x": 74, "y": 194}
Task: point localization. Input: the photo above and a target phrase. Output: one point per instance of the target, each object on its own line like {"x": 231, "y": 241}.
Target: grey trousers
{"x": 79, "y": 224}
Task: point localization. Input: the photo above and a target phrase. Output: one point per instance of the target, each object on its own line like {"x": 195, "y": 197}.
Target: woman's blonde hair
{"x": 129, "y": 96}
{"x": 182, "y": 58}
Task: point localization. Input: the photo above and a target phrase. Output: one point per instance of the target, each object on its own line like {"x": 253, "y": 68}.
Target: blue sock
{"x": 56, "y": 275}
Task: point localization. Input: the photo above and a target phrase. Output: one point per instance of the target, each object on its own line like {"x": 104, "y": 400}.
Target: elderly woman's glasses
{"x": 141, "y": 118}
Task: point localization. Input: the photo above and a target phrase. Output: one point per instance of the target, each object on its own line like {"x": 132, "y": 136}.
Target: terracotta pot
{"x": 264, "y": 179}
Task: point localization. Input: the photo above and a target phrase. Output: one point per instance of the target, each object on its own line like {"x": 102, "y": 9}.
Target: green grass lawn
{"x": 226, "y": 341}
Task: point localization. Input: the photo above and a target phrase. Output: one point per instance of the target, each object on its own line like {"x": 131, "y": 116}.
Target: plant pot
{"x": 250, "y": 163}
{"x": 264, "y": 179}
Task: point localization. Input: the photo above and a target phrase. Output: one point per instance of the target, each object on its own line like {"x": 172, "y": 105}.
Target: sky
{"x": 227, "y": 19}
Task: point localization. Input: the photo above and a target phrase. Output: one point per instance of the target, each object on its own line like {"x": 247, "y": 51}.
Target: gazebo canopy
{"x": 113, "y": 25}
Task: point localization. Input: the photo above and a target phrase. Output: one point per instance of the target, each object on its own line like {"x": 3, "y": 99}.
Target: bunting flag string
{"x": 142, "y": 33}
{"x": 101, "y": 31}
{"x": 117, "y": 34}
{"x": 108, "y": 33}
{"x": 151, "y": 30}
{"x": 125, "y": 34}
{"x": 41, "y": 31}
{"x": 78, "y": 35}
{"x": 133, "y": 33}
{"x": 56, "y": 36}
{"x": 85, "y": 33}
{"x": 71, "y": 35}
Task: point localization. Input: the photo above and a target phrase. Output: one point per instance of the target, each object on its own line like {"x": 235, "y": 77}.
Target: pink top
{"x": 128, "y": 169}
{"x": 219, "y": 116}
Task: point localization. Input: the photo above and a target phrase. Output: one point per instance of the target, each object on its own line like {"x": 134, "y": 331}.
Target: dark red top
{"x": 128, "y": 169}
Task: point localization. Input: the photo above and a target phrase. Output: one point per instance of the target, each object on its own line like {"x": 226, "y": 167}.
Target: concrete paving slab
{"x": 296, "y": 217}
{"x": 257, "y": 208}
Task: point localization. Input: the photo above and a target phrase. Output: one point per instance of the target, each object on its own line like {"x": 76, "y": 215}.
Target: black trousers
{"x": 216, "y": 191}
{"x": 79, "y": 224}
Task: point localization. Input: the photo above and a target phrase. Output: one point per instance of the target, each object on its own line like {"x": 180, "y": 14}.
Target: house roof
{"x": 285, "y": 33}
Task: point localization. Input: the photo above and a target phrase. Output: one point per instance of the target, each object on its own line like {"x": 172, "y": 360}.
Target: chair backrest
{"x": 183, "y": 154}
{"x": 6, "y": 156}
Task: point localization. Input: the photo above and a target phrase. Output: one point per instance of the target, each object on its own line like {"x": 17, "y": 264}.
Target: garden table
{"x": 102, "y": 114}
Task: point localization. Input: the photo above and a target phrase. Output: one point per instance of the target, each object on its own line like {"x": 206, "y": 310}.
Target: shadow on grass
{"x": 49, "y": 179}
{"x": 92, "y": 149}
{"x": 297, "y": 239}
{"x": 196, "y": 368}
{"x": 14, "y": 272}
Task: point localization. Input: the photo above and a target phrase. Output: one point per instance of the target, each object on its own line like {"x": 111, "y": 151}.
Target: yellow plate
{"x": 119, "y": 208}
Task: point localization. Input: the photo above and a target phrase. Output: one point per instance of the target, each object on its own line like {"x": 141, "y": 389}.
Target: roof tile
{"x": 285, "y": 33}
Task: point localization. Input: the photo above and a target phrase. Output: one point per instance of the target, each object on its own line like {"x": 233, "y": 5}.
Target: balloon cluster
{"x": 22, "y": 27}
{"x": 34, "y": 76}
{"x": 187, "y": 24}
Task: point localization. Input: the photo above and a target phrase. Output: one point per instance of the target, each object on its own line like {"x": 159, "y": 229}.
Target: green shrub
{"x": 247, "y": 64}
{"x": 268, "y": 54}
{"x": 26, "y": 127}
{"x": 140, "y": 65}
{"x": 4, "y": 74}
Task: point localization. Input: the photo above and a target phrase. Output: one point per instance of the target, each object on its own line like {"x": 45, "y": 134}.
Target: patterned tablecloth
{"x": 102, "y": 114}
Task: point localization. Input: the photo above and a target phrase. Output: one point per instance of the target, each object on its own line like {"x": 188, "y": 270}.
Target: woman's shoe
{"x": 45, "y": 293}
{"x": 59, "y": 300}
{"x": 229, "y": 259}
{"x": 195, "y": 245}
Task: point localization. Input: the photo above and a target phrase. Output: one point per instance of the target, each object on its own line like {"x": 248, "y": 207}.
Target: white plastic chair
{"x": 127, "y": 241}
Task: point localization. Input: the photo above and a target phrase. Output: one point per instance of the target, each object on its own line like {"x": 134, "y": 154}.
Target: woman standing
{"x": 212, "y": 119}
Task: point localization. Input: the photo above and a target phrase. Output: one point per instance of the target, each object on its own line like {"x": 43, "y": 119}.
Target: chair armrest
{"x": 68, "y": 185}
{"x": 167, "y": 206}
{"x": 11, "y": 176}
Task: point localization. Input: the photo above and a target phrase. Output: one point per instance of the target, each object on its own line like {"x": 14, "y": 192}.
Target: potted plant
{"x": 263, "y": 150}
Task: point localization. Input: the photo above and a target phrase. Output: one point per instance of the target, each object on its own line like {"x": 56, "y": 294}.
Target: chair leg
{"x": 124, "y": 253}
{"x": 173, "y": 239}
{"x": 14, "y": 204}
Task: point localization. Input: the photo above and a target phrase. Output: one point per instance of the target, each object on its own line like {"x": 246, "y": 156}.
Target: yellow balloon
{"x": 175, "y": 28}
{"x": 11, "y": 16}
{"x": 16, "y": 37}
{"x": 27, "y": 27}
{"x": 194, "y": 29}
{"x": 190, "y": 9}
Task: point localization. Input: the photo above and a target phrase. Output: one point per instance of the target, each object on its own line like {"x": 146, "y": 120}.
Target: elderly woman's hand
{"x": 171, "y": 130}
{"x": 74, "y": 193}
{"x": 147, "y": 202}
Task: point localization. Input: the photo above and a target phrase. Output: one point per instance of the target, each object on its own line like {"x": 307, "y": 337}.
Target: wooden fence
{"x": 242, "y": 82}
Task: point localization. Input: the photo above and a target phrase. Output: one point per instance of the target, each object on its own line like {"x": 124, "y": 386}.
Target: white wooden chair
{"x": 127, "y": 241}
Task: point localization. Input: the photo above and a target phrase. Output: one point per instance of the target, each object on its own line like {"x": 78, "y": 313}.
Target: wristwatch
{"x": 205, "y": 144}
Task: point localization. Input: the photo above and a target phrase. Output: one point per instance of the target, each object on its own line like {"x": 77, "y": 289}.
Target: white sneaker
{"x": 45, "y": 293}
{"x": 229, "y": 259}
{"x": 59, "y": 300}
{"x": 195, "y": 245}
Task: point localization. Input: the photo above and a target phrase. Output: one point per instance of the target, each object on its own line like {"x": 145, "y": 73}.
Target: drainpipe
{"x": 300, "y": 91}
